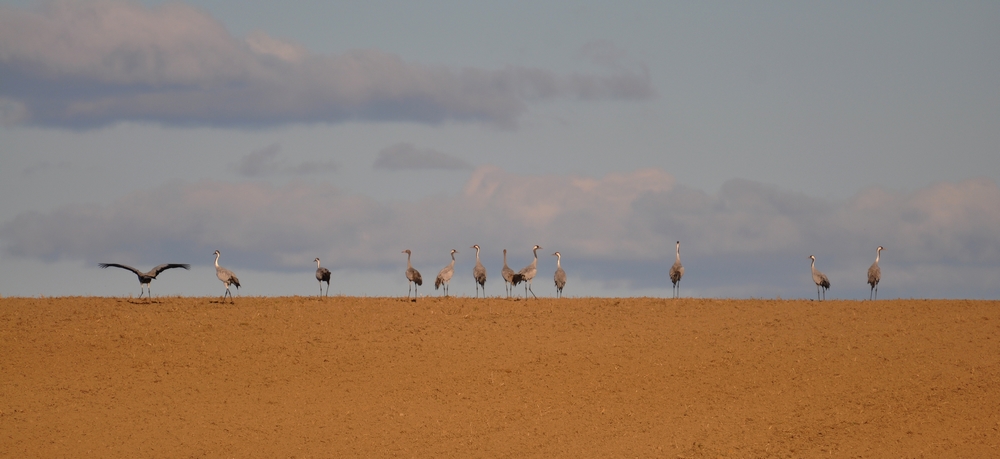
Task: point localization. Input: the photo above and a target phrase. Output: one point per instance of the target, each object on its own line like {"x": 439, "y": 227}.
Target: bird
{"x": 226, "y": 276}
{"x": 444, "y": 277}
{"x": 413, "y": 276}
{"x": 479, "y": 273}
{"x": 820, "y": 279}
{"x": 875, "y": 274}
{"x": 560, "y": 276}
{"x": 322, "y": 275}
{"x": 676, "y": 272}
{"x": 528, "y": 273}
{"x": 507, "y": 274}
{"x": 147, "y": 277}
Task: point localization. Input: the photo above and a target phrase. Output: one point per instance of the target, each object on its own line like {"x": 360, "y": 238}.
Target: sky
{"x": 755, "y": 133}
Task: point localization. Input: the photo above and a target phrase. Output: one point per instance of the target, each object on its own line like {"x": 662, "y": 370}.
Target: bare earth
{"x": 460, "y": 377}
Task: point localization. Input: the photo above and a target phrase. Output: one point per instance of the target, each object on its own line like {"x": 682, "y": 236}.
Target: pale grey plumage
{"x": 146, "y": 277}
{"x": 413, "y": 276}
{"x": 528, "y": 273}
{"x": 444, "y": 277}
{"x": 820, "y": 279}
{"x": 560, "y": 276}
{"x": 875, "y": 275}
{"x": 508, "y": 275}
{"x": 676, "y": 272}
{"x": 226, "y": 276}
{"x": 322, "y": 275}
{"x": 479, "y": 273}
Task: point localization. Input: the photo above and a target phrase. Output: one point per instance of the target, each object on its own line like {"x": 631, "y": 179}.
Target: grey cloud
{"x": 176, "y": 65}
{"x": 265, "y": 162}
{"x": 748, "y": 239}
{"x": 403, "y": 156}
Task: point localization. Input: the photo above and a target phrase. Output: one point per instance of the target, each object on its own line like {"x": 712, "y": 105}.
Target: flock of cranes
{"x": 511, "y": 279}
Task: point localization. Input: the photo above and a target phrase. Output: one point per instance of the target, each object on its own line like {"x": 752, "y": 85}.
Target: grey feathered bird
{"x": 507, "y": 274}
{"x": 322, "y": 275}
{"x": 479, "y": 273}
{"x": 875, "y": 275}
{"x": 676, "y": 272}
{"x": 413, "y": 276}
{"x": 147, "y": 277}
{"x": 226, "y": 276}
{"x": 527, "y": 273}
{"x": 560, "y": 276}
{"x": 444, "y": 277}
{"x": 820, "y": 279}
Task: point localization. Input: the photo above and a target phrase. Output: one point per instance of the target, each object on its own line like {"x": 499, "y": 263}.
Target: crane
{"x": 528, "y": 273}
{"x": 322, "y": 275}
{"x": 479, "y": 273}
{"x": 820, "y": 279}
{"x": 226, "y": 276}
{"x": 875, "y": 275}
{"x": 146, "y": 277}
{"x": 444, "y": 277}
{"x": 560, "y": 276}
{"x": 413, "y": 276}
{"x": 676, "y": 272}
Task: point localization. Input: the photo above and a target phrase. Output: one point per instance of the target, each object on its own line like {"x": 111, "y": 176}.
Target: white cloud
{"x": 748, "y": 238}
{"x": 403, "y": 156}
{"x": 83, "y": 64}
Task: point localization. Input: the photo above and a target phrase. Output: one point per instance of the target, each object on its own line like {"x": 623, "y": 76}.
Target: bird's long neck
{"x": 878, "y": 253}
{"x": 535, "y": 251}
{"x": 558, "y": 260}
{"x": 217, "y": 260}
{"x": 813, "y": 265}
{"x": 477, "y": 255}
{"x": 453, "y": 258}
{"x": 408, "y": 265}
{"x": 678, "y": 253}
{"x": 317, "y": 263}
{"x": 504, "y": 257}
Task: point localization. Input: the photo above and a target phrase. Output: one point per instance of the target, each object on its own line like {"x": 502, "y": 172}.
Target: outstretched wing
{"x": 165, "y": 266}
{"x": 116, "y": 265}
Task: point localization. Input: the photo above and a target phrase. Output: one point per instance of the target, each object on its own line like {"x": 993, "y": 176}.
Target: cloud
{"x": 265, "y": 162}
{"x": 403, "y": 156}
{"x": 87, "y": 64}
{"x": 47, "y": 166}
{"x": 747, "y": 239}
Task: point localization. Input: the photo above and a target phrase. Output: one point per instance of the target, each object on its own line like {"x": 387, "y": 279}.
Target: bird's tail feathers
{"x": 437, "y": 283}
{"x": 517, "y": 278}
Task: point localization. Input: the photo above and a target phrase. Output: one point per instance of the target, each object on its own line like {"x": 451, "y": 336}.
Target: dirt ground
{"x": 459, "y": 377}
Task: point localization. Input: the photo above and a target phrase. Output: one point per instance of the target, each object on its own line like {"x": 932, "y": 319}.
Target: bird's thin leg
{"x": 532, "y": 291}
{"x": 876, "y": 290}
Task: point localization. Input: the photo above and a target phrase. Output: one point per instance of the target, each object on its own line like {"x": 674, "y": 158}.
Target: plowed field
{"x": 459, "y": 377}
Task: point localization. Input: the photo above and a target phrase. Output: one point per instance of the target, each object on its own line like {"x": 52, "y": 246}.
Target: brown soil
{"x": 300, "y": 377}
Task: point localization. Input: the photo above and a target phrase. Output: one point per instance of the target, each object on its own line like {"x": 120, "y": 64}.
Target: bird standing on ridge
{"x": 322, "y": 275}
{"x": 479, "y": 273}
{"x": 147, "y": 277}
{"x": 875, "y": 275}
{"x": 820, "y": 279}
{"x": 507, "y": 274}
{"x": 560, "y": 276}
{"x": 528, "y": 273}
{"x": 413, "y": 276}
{"x": 226, "y": 276}
{"x": 676, "y": 272}
{"x": 444, "y": 277}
